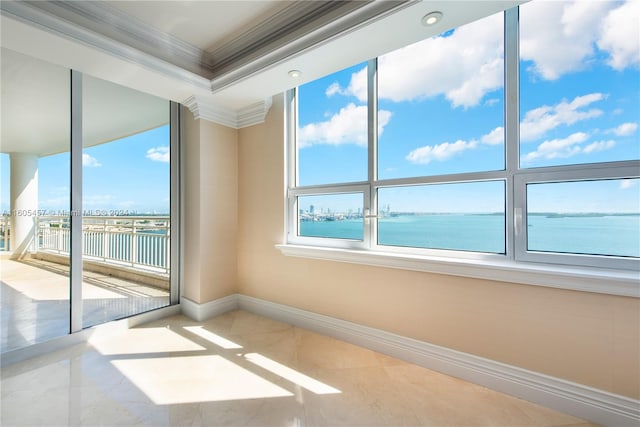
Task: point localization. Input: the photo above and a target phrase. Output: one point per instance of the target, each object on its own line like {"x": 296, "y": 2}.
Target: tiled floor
{"x": 35, "y": 301}
{"x": 240, "y": 369}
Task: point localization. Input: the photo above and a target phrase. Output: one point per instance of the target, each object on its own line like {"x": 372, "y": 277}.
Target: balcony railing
{"x": 135, "y": 242}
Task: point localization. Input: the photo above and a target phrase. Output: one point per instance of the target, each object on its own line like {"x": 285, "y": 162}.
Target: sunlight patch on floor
{"x": 192, "y": 379}
{"x": 212, "y": 338}
{"x": 145, "y": 341}
{"x": 292, "y": 375}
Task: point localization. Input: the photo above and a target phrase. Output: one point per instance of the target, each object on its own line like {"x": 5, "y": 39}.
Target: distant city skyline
{"x": 540, "y": 200}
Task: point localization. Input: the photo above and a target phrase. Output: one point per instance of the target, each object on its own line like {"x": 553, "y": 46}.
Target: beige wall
{"x": 583, "y": 337}
{"x": 210, "y": 212}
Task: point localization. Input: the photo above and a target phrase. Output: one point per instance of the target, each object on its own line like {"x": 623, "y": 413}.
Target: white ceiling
{"x": 169, "y": 48}
{"x": 205, "y": 24}
{"x": 36, "y": 108}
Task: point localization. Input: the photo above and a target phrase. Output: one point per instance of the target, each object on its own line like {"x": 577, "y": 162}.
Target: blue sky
{"x": 132, "y": 173}
{"x": 129, "y": 175}
{"x": 440, "y": 112}
{"x": 441, "y": 107}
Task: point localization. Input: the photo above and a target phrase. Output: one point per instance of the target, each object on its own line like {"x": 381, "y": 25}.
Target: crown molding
{"x": 254, "y": 114}
{"x": 118, "y": 25}
{"x": 106, "y": 24}
{"x": 212, "y": 113}
{"x": 41, "y": 15}
{"x": 283, "y": 27}
{"x": 294, "y": 40}
{"x": 295, "y": 29}
{"x": 244, "y": 117}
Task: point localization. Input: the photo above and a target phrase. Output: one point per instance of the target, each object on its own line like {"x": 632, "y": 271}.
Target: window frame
{"x": 439, "y": 252}
{"x": 292, "y": 226}
{"x": 564, "y": 174}
{"x": 516, "y": 257}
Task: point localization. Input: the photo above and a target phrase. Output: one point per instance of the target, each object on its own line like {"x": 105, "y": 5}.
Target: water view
{"x": 601, "y": 234}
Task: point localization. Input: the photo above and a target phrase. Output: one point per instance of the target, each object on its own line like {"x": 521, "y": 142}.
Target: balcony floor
{"x": 35, "y": 301}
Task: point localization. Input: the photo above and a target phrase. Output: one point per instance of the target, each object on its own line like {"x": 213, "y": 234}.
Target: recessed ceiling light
{"x": 294, "y": 74}
{"x": 431, "y": 18}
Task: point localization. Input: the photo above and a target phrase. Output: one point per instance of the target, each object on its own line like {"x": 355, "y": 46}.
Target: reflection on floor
{"x": 240, "y": 369}
{"x": 35, "y": 301}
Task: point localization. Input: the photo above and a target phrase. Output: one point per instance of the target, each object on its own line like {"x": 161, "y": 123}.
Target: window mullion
{"x": 75, "y": 261}
{"x": 291, "y": 160}
{"x": 176, "y": 203}
{"x": 372, "y": 122}
{"x": 512, "y": 124}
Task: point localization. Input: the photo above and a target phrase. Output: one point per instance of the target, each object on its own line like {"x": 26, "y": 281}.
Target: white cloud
{"x": 540, "y": 120}
{"x": 159, "y": 154}
{"x": 357, "y": 86}
{"x": 559, "y": 35}
{"x": 625, "y": 184}
{"x": 535, "y": 124}
{"x": 464, "y": 67}
{"x": 440, "y": 152}
{"x": 446, "y": 150}
{"x": 598, "y": 146}
{"x": 570, "y": 146}
{"x": 625, "y": 129}
{"x": 558, "y": 148}
{"x": 348, "y": 126}
{"x": 89, "y": 161}
{"x": 333, "y": 89}
{"x": 621, "y": 37}
{"x": 494, "y": 137}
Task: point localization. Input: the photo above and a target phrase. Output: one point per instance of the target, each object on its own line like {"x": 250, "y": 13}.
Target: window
{"x": 578, "y": 139}
{"x": 440, "y": 104}
{"x": 451, "y": 171}
{"x": 332, "y": 134}
{"x": 439, "y": 216}
{"x": 588, "y": 222}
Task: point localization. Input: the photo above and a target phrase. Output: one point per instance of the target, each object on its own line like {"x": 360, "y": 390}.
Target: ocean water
{"x": 603, "y": 234}
{"x": 599, "y": 235}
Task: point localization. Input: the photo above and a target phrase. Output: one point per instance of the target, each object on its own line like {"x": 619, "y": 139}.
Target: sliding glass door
{"x": 87, "y": 222}
{"x": 34, "y": 266}
{"x": 126, "y": 201}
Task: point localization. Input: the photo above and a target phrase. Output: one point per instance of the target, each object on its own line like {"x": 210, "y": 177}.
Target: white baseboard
{"x": 200, "y": 312}
{"x": 584, "y": 402}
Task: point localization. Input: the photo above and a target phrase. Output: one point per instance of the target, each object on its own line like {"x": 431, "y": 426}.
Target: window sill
{"x": 612, "y": 282}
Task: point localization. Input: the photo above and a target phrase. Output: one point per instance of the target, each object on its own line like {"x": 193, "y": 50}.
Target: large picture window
{"x": 332, "y": 131}
{"x": 456, "y": 216}
{"x": 440, "y": 104}
{"x": 434, "y": 161}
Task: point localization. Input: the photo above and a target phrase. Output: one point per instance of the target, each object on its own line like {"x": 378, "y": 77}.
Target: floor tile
{"x": 240, "y": 369}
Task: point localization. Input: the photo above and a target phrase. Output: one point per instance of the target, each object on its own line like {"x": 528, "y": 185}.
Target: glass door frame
{"x": 76, "y": 258}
